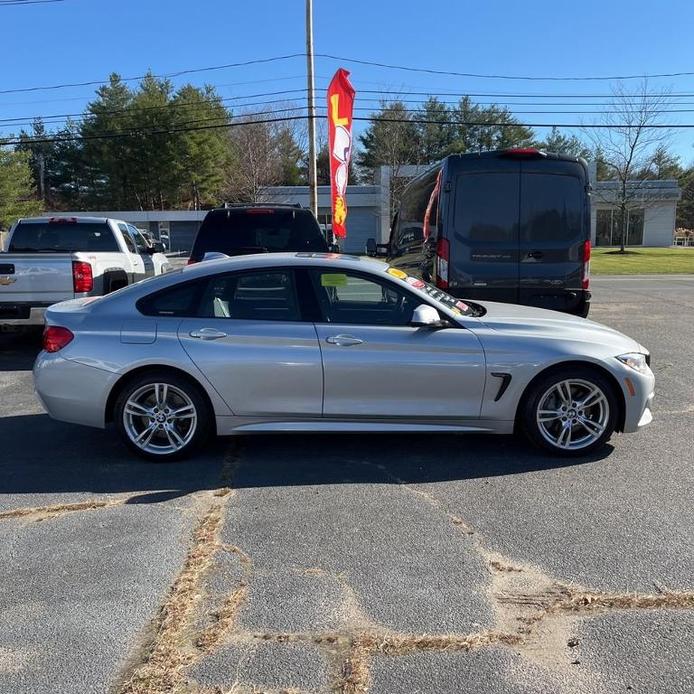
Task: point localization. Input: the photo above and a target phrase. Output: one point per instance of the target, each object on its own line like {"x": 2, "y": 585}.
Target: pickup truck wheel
{"x": 162, "y": 416}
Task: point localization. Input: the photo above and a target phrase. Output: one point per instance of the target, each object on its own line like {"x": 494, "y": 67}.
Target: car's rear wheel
{"x": 162, "y": 416}
{"x": 570, "y": 412}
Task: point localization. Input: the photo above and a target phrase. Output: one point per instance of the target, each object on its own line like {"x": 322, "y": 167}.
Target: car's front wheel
{"x": 570, "y": 412}
{"x": 162, "y": 416}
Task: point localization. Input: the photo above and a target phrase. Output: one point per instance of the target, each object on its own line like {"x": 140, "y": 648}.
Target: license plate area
{"x": 14, "y": 311}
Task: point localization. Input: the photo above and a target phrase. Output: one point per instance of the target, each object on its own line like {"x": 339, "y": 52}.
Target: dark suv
{"x": 258, "y": 228}
{"x": 509, "y": 226}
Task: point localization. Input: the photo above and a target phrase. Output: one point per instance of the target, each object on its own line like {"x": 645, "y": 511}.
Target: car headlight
{"x": 635, "y": 360}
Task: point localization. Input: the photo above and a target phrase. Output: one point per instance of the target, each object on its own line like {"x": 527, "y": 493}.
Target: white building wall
{"x": 659, "y": 224}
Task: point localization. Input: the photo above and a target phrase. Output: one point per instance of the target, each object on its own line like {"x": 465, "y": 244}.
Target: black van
{"x": 258, "y": 228}
{"x": 509, "y": 226}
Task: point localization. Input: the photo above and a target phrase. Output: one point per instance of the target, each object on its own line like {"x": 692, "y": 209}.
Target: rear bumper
{"x": 22, "y": 314}
{"x": 72, "y": 392}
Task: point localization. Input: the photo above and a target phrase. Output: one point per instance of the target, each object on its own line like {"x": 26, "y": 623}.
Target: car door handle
{"x": 207, "y": 334}
{"x": 536, "y": 254}
{"x": 343, "y": 340}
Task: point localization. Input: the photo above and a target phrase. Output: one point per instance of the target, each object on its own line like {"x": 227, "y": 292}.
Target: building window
{"x": 608, "y": 226}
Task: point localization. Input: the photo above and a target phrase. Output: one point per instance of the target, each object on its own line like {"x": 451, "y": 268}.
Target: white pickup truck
{"x": 51, "y": 259}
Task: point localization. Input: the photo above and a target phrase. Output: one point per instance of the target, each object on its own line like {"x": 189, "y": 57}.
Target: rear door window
{"x": 486, "y": 207}
{"x": 258, "y": 230}
{"x": 62, "y": 237}
{"x": 551, "y": 208}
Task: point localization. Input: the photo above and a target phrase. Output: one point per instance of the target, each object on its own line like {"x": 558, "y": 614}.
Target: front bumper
{"x": 72, "y": 392}
{"x": 638, "y": 389}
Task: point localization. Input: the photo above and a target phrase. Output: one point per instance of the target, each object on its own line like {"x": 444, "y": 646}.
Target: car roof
{"x": 259, "y": 260}
{"x": 76, "y": 219}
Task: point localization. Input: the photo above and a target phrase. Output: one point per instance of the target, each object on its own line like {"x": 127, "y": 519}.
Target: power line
{"x": 431, "y": 71}
{"x": 167, "y": 75}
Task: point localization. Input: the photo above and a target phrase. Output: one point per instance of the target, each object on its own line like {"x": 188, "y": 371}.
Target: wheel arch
{"x": 617, "y": 389}
{"x": 118, "y": 386}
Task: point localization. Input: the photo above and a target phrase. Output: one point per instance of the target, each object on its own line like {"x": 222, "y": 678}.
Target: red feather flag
{"x": 340, "y": 108}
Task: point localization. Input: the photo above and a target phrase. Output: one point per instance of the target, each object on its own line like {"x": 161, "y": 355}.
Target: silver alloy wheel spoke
{"x": 548, "y": 415}
{"x": 185, "y": 412}
{"x": 591, "y": 426}
{"x": 138, "y": 410}
{"x": 160, "y": 418}
{"x": 573, "y": 414}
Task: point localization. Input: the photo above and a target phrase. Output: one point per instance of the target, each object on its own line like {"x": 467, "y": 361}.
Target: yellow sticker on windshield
{"x": 333, "y": 280}
{"x": 397, "y": 273}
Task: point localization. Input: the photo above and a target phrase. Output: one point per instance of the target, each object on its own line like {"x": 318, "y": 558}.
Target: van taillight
{"x": 82, "y": 278}
{"x": 524, "y": 153}
{"x": 585, "y": 275}
{"x": 55, "y": 338}
{"x": 443, "y": 250}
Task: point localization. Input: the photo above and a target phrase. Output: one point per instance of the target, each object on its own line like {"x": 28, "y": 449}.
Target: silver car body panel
{"x": 276, "y": 376}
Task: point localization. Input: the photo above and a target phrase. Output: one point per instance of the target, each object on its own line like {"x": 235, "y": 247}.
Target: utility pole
{"x": 312, "y": 168}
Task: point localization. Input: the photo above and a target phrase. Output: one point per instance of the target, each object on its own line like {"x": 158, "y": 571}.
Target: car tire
{"x": 162, "y": 416}
{"x": 574, "y": 426}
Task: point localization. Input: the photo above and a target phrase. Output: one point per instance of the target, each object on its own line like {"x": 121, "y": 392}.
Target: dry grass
{"x": 161, "y": 670}
{"x": 43, "y": 512}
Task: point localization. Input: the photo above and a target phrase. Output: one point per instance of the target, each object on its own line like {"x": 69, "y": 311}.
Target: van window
{"x": 551, "y": 207}
{"x": 486, "y": 207}
{"x": 413, "y": 207}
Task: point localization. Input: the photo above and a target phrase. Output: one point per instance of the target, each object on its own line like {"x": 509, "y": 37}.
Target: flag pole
{"x": 312, "y": 166}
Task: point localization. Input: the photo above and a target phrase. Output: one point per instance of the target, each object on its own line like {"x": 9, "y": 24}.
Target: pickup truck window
{"x": 128, "y": 239}
{"x": 57, "y": 237}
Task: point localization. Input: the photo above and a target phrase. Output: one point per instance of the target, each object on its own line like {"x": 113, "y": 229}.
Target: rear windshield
{"x": 62, "y": 237}
{"x": 236, "y": 232}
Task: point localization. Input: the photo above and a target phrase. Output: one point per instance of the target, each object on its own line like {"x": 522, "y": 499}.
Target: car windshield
{"x": 258, "y": 230}
{"x": 462, "y": 308}
{"x": 62, "y": 237}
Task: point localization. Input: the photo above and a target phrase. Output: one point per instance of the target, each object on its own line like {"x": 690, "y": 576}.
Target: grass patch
{"x": 642, "y": 261}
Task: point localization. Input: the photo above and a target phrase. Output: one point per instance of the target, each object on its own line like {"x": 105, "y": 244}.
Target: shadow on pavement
{"x": 18, "y": 350}
{"x": 43, "y": 456}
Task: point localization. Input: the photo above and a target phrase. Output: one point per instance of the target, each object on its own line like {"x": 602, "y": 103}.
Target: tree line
{"x": 156, "y": 147}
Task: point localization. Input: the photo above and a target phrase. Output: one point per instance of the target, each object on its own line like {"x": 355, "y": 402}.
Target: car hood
{"x": 538, "y": 322}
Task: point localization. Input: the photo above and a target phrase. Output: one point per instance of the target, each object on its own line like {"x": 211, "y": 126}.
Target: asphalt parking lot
{"x": 367, "y": 563}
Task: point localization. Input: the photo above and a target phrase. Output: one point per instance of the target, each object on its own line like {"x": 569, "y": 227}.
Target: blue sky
{"x": 84, "y": 40}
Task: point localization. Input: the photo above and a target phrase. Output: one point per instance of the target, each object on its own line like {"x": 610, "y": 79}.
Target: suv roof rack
{"x": 232, "y": 205}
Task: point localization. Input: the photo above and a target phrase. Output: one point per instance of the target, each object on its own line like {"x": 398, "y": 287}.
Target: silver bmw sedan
{"x": 326, "y": 343}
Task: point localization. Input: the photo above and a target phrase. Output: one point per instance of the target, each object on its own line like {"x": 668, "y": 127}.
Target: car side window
{"x": 260, "y": 296}
{"x": 139, "y": 240}
{"x": 127, "y": 238}
{"x": 351, "y": 298}
{"x": 180, "y": 301}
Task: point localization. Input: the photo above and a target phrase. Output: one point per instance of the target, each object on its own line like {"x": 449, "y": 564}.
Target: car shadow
{"x": 18, "y": 350}
{"x": 41, "y": 456}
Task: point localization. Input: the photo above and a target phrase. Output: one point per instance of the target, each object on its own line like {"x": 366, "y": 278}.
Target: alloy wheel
{"x": 160, "y": 418}
{"x": 573, "y": 414}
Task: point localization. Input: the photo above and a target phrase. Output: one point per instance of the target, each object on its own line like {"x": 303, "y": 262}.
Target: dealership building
{"x": 651, "y": 217}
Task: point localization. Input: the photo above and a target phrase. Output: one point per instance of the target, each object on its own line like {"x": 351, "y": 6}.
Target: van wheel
{"x": 162, "y": 416}
{"x": 570, "y": 412}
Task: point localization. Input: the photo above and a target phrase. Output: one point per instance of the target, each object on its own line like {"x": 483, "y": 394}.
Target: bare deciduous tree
{"x": 627, "y": 145}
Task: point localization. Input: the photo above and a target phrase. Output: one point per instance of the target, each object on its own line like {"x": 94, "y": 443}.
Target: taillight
{"x": 82, "y": 278}
{"x": 443, "y": 250}
{"x": 524, "y": 152}
{"x": 585, "y": 274}
{"x": 55, "y": 338}
{"x": 191, "y": 261}
{"x": 259, "y": 210}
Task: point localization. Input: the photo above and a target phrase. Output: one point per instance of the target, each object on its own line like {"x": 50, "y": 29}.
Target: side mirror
{"x": 425, "y": 316}
{"x": 158, "y": 247}
{"x": 371, "y": 248}
{"x": 334, "y": 248}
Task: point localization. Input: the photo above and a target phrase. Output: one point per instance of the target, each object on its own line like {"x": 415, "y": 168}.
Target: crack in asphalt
{"x": 39, "y": 513}
{"x": 534, "y": 614}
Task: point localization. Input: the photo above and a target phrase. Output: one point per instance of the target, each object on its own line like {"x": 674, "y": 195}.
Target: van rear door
{"x": 554, "y": 226}
{"x": 483, "y": 259}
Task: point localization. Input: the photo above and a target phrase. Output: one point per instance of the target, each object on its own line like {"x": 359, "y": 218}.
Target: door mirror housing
{"x": 425, "y": 316}
{"x": 376, "y": 250}
{"x": 334, "y": 248}
{"x": 371, "y": 247}
{"x": 157, "y": 247}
